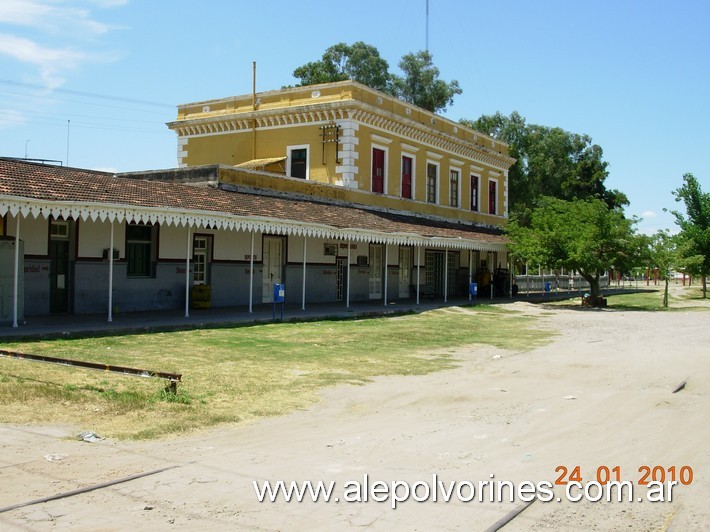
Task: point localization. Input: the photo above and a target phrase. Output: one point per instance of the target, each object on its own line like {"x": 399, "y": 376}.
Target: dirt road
{"x": 599, "y": 396}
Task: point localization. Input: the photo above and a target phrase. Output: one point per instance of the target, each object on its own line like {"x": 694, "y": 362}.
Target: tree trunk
{"x": 593, "y": 280}
{"x": 705, "y": 287}
{"x": 665, "y": 294}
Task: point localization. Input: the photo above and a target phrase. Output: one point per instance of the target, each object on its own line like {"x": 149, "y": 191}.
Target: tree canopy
{"x": 694, "y": 228}
{"x": 360, "y": 62}
{"x": 420, "y": 85}
{"x": 549, "y": 162}
{"x": 583, "y": 235}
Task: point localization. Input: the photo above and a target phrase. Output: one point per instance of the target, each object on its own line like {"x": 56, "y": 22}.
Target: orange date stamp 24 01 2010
{"x": 604, "y": 474}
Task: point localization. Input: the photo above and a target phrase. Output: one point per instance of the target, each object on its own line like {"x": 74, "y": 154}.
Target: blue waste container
{"x": 473, "y": 289}
{"x": 547, "y": 286}
{"x": 279, "y": 293}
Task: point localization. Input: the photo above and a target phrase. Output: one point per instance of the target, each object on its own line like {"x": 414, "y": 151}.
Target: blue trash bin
{"x": 473, "y": 289}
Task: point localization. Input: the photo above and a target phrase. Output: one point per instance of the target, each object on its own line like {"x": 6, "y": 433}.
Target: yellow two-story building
{"x": 334, "y": 193}
{"x": 348, "y": 135}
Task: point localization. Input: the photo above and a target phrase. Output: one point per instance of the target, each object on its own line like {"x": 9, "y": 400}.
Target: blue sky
{"x": 96, "y": 80}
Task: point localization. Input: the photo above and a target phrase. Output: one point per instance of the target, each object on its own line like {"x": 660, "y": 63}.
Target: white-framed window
{"x": 432, "y": 181}
{"x": 409, "y": 164}
{"x": 380, "y": 160}
{"x": 454, "y": 187}
{"x": 201, "y": 257}
{"x": 297, "y": 161}
{"x": 475, "y": 192}
{"x": 492, "y": 196}
{"x": 141, "y": 243}
{"x": 59, "y": 229}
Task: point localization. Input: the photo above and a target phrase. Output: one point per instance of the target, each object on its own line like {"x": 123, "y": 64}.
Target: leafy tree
{"x": 663, "y": 255}
{"x": 694, "y": 228}
{"x": 513, "y": 131}
{"x": 582, "y": 235}
{"x": 549, "y": 161}
{"x": 359, "y": 62}
{"x": 421, "y": 85}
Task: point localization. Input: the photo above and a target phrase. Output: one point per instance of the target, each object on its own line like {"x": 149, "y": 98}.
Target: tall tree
{"x": 582, "y": 235}
{"x": 663, "y": 256}
{"x": 359, "y": 62}
{"x": 421, "y": 85}
{"x": 550, "y": 161}
{"x": 694, "y": 227}
{"x": 513, "y": 131}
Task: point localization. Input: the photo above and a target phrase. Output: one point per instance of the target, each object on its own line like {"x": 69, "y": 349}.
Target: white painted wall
{"x": 94, "y": 237}
{"x": 33, "y": 231}
{"x": 235, "y": 245}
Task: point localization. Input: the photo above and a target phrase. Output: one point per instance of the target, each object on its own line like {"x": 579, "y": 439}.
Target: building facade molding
{"x": 223, "y": 221}
{"x": 339, "y": 112}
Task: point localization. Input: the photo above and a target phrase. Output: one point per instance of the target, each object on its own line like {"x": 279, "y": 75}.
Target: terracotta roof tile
{"x": 57, "y": 183}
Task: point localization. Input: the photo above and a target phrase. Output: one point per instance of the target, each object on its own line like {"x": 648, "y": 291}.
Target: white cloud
{"x": 649, "y": 214}
{"x": 56, "y": 17}
{"x": 52, "y": 35}
{"x": 107, "y": 4}
{"x": 10, "y": 118}
{"x": 109, "y": 169}
{"x": 51, "y": 62}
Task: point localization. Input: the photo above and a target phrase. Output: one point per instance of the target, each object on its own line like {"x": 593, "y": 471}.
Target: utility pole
{"x": 427, "y": 26}
{"x": 68, "y": 124}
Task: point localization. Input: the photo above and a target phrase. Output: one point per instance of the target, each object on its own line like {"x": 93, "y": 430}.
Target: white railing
{"x": 558, "y": 283}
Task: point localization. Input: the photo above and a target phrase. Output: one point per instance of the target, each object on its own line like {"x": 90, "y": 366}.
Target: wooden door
{"x": 407, "y": 177}
{"x": 375, "y": 272}
{"x": 273, "y": 267}
{"x": 58, "y": 276}
{"x": 405, "y": 271}
{"x": 378, "y": 170}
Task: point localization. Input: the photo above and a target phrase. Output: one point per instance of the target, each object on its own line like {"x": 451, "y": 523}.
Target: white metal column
{"x": 303, "y": 303}
{"x": 187, "y": 275}
{"x": 347, "y": 285}
{"x": 251, "y": 275}
{"x": 385, "y": 295}
{"x": 470, "y": 272}
{"x": 110, "y": 276}
{"x": 446, "y": 275}
{"x": 419, "y": 248}
{"x": 17, "y": 270}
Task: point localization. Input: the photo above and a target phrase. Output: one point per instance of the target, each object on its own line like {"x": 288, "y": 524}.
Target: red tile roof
{"x": 63, "y": 184}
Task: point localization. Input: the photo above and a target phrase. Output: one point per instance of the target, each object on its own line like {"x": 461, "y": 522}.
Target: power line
{"x": 49, "y": 115}
{"x": 85, "y": 94}
{"x": 55, "y": 122}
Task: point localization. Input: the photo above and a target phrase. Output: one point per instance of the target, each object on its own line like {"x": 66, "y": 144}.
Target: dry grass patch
{"x": 241, "y": 373}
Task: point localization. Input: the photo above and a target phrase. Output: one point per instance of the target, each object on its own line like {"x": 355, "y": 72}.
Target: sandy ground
{"x": 599, "y": 395}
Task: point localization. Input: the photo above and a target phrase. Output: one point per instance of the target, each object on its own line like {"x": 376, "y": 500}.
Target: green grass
{"x": 242, "y": 373}
{"x": 651, "y": 299}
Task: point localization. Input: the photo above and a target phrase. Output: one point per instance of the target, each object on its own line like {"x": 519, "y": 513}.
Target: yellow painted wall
{"x": 232, "y": 148}
{"x": 322, "y": 190}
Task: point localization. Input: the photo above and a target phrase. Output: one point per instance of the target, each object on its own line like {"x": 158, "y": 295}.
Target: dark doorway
{"x": 58, "y": 275}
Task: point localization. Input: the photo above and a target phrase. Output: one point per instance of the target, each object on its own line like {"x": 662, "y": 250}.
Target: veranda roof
{"x": 41, "y": 190}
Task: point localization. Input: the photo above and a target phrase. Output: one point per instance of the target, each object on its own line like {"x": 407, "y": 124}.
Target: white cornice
{"x": 374, "y": 117}
{"x": 225, "y": 221}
